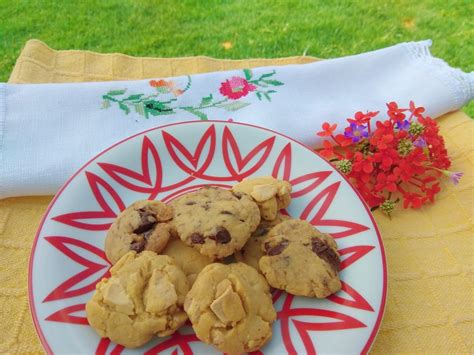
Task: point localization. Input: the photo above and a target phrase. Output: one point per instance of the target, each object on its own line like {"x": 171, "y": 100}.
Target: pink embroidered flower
{"x": 236, "y": 87}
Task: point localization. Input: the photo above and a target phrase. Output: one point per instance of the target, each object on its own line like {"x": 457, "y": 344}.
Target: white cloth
{"x": 47, "y": 131}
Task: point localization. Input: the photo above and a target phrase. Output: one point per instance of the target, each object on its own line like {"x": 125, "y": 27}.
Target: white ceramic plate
{"x": 67, "y": 259}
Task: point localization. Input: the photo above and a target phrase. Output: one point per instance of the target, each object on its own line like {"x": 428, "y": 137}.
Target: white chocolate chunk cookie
{"x": 215, "y": 221}
{"x": 141, "y": 226}
{"x": 301, "y": 260}
{"x": 143, "y": 298}
{"x": 230, "y": 307}
{"x": 270, "y": 194}
{"x": 187, "y": 258}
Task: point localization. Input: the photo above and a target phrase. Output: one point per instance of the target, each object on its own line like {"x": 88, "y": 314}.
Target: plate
{"x": 68, "y": 259}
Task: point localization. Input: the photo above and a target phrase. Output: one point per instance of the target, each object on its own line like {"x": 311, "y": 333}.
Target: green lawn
{"x": 322, "y": 28}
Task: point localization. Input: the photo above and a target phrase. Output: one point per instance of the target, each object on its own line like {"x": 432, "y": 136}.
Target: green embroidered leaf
{"x": 267, "y": 96}
{"x": 259, "y": 95}
{"x": 134, "y": 97}
{"x": 202, "y": 116}
{"x": 157, "y": 108}
{"x": 140, "y": 109}
{"x": 263, "y": 76}
{"x": 248, "y": 74}
{"x": 162, "y": 89}
{"x": 124, "y": 108}
{"x": 206, "y": 100}
{"x": 106, "y": 104}
{"x": 273, "y": 82}
{"x": 116, "y": 92}
{"x": 233, "y": 106}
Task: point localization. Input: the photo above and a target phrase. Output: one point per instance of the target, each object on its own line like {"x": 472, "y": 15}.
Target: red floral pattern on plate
{"x": 220, "y": 157}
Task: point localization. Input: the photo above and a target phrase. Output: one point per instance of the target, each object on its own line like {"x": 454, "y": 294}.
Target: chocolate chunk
{"x": 190, "y": 203}
{"x": 197, "y": 238}
{"x": 138, "y": 245}
{"x": 277, "y": 249}
{"x": 222, "y": 236}
{"x": 206, "y": 207}
{"x": 227, "y": 212}
{"x": 324, "y": 251}
{"x": 261, "y": 231}
{"x": 148, "y": 221}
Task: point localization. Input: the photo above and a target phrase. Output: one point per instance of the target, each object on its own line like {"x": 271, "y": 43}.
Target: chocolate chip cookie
{"x": 251, "y": 253}
{"x": 143, "y": 298}
{"x": 215, "y": 221}
{"x": 270, "y": 194}
{"x": 141, "y": 226}
{"x": 230, "y": 307}
{"x": 301, "y": 260}
{"x": 187, "y": 258}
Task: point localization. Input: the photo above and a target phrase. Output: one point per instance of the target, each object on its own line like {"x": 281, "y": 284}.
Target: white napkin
{"x": 47, "y": 131}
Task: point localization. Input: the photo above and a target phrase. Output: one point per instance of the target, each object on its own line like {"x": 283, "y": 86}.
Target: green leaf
{"x": 267, "y": 96}
{"x": 202, "y": 116}
{"x": 116, "y": 92}
{"x": 124, "y": 108}
{"x": 162, "y": 89}
{"x": 233, "y": 106}
{"x": 248, "y": 74}
{"x": 206, "y": 100}
{"x": 263, "y": 76}
{"x": 134, "y": 97}
{"x": 273, "y": 82}
{"x": 259, "y": 95}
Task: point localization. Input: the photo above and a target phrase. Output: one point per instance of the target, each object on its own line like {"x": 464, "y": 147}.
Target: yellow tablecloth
{"x": 430, "y": 305}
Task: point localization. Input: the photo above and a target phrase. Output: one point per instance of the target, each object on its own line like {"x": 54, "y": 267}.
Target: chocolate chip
{"x": 277, "y": 249}
{"x": 206, "y": 207}
{"x": 222, "y": 236}
{"x": 148, "y": 221}
{"x": 227, "y": 212}
{"x": 238, "y": 195}
{"x": 190, "y": 203}
{"x": 138, "y": 246}
{"x": 322, "y": 249}
{"x": 197, "y": 238}
{"x": 261, "y": 231}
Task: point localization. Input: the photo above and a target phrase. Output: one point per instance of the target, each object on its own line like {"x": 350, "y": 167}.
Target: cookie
{"x": 301, "y": 260}
{"x": 251, "y": 253}
{"x": 230, "y": 307}
{"x": 270, "y": 194}
{"x": 141, "y": 226}
{"x": 187, "y": 258}
{"x": 215, "y": 221}
{"x": 143, "y": 298}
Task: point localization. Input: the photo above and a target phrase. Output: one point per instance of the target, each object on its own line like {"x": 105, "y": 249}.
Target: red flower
{"x": 394, "y": 112}
{"x": 236, "y": 87}
{"x": 328, "y": 151}
{"x": 361, "y": 118}
{"x": 416, "y": 111}
{"x": 328, "y": 130}
{"x": 386, "y": 182}
{"x": 412, "y": 200}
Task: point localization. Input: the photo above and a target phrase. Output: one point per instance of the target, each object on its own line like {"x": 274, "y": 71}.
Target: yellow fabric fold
{"x": 430, "y": 303}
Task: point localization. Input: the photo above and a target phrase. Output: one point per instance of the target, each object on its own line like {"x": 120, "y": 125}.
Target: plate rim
{"x": 31, "y": 304}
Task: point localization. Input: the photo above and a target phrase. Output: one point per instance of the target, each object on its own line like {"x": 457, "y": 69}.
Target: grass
{"x": 238, "y": 29}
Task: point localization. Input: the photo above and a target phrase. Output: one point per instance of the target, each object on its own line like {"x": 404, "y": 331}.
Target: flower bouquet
{"x": 400, "y": 159}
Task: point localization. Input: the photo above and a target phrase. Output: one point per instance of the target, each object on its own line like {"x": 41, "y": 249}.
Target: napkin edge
{"x": 3, "y": 117}
{"x": 460, "y": 83}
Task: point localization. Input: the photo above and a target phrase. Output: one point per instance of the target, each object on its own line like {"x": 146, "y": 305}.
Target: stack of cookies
{"x": 211, "y": 256}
